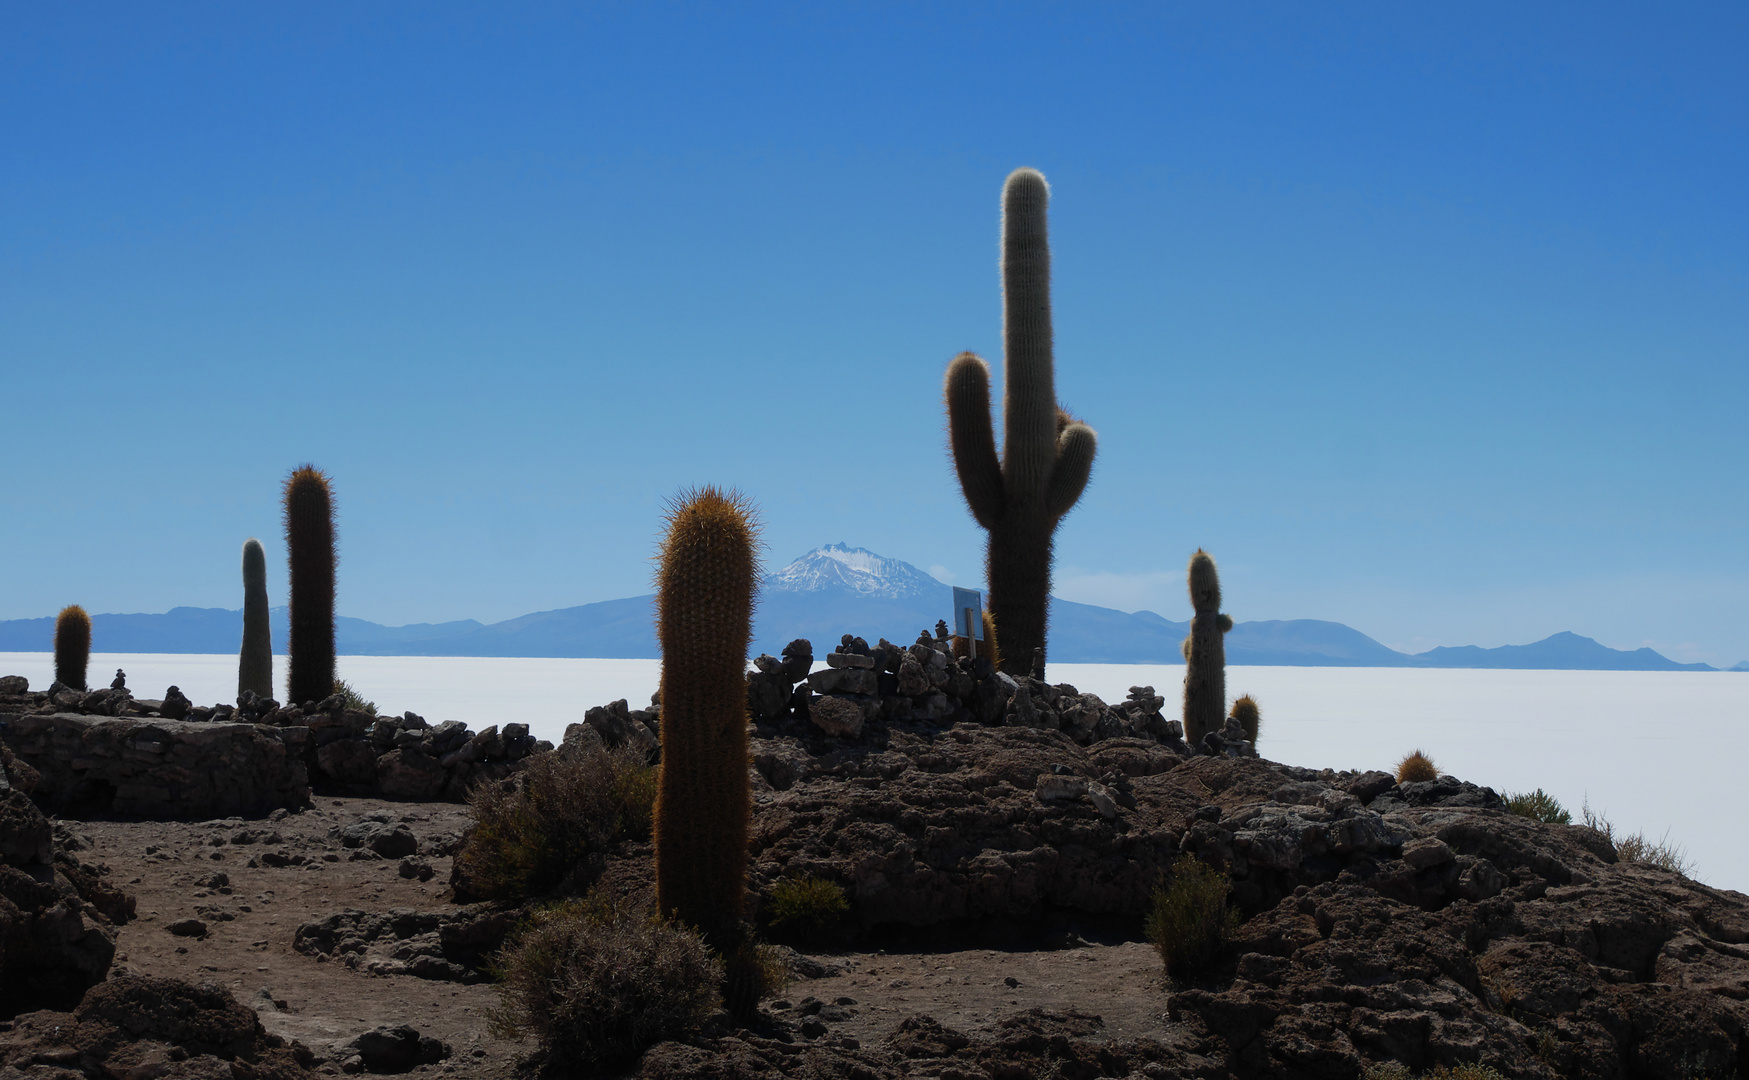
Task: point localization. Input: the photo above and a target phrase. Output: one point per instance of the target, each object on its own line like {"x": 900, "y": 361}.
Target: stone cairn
{"x": 928, "y": 684}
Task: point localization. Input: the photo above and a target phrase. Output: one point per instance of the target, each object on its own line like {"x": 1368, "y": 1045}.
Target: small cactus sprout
{"x": 1047, "y": 455}
{"x": 1245, "y": 711}
{"x": 1415, "y": 768}
{"x": 72, "y": 646}
{"x": 255, "y": 659}
{"x": 1205, "y": 652}
{"x": 310, "y": 555}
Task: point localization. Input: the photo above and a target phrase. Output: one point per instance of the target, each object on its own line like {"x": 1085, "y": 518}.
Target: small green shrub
{"x": 1636, "y": 848}
{"x": 354, "y": 700}
{"x": 597, "y": 987}
{"x": 531, "y": 834}
{"x": 1538, "y": 805}
{"x": 1190, "y": 921}
{"x": 1415, "y": 768}
{"x": 807, "y": 907}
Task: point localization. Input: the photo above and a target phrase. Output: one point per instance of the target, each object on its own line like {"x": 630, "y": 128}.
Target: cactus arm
{"x": 1225, "y": 622}
{"x": 971, "y": 438}
{"x": 1075, "y": 449}
{"x": 1029, "y": 395}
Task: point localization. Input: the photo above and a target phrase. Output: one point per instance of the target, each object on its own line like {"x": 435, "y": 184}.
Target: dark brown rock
{"x": 351, "y": 762}
{"x": 134, "y": 1028}
{"x": 409, "y": 774}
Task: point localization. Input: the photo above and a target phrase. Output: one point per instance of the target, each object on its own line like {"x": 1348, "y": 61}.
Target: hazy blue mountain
{"x": 1742, "y": 666}
{"x": 1565, "y": 650}
{"x": 829, "y": 592}
{"x": 1307, "y": 643}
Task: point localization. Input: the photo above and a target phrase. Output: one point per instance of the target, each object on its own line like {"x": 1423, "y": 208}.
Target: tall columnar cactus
{"x": 1047, "y": 455}
{"x": 310, "y": 553}
{"x": 72, "y": 646}
{"x": 1205, "y": 652}
{"x": 704, "y": 617}
{"x": 255, "y": 661}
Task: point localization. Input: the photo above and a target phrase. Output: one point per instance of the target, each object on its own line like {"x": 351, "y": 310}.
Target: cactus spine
{"x": 1250, "y": 718}
{"x": 1205, "y": 652}
{"x": 310, "y": 554}
{"x": 72, "y": 646}
{"x": 704, "y": 620}
{"x": 255, "y": 660}
{"x": 1047, "y": 455}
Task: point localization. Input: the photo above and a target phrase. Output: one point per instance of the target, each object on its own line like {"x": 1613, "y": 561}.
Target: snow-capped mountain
{"x": 839, "y": 567}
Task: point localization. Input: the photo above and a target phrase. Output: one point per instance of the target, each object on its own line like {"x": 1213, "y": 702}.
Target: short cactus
{"x": 989, "y": 648}
{"x": 1047, "y": 455}
{"x": 72, "y": 646}
{"x": 1245, "y": 711}
{"x": 704, "y": 621}
{"x": 255, "y": 659}
{"x": 1415, "y": 768}
{"x": 310, "y": 554}
{"x": 1205, "y": 652}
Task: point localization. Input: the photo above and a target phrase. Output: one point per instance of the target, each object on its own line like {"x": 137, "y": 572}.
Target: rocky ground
{"x": 997, "y": 877}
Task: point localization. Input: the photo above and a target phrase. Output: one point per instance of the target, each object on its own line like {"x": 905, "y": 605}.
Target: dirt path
{"x": 972, "y": 989}
{"x": 250, "y": 921}
{"x": 251, "y": 916}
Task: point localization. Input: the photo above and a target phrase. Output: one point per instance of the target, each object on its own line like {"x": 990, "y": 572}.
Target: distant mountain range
{"x": 829, "y": 592}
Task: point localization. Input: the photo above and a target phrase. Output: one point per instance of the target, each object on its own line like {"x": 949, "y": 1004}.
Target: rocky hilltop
{"x": 975, "y": 823}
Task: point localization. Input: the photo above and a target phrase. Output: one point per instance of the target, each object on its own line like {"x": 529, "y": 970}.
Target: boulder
{"x": 175, "y": 705}
{"x": 410, "y": 774}
{"x": 836, "y": 716}
{"x": 352, "y": 762}
{"x": 395, "y": 1049}
{"x": 136, "y": 1028}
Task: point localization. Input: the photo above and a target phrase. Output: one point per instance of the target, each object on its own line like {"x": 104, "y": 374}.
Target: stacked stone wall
{"x": 158, "y": 768}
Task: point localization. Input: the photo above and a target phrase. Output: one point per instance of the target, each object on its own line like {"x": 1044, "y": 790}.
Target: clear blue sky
{"x": 1429, "y": 319}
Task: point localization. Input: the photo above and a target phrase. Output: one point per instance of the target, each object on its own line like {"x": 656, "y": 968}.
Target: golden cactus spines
{"x": 1205, "y": 652}
{"x": 1250, "y": 718}
{"x": 704, "y": 618}
{"x": 72, "y": 646}
{"x": 1415, "y": 768}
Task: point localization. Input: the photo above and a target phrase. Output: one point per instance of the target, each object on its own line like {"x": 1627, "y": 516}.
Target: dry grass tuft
{"x": 1190, "y": 922}
{"x": 1538, "y": 805}
{"x": 1636, "y": 848}
{"x": 596, "y": 987}
{"x": 558, "y": 814}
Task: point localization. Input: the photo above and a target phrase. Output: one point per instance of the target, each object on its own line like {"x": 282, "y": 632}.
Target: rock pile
{"x": 57, "y": 915}
{"x": 1414, "y": 923}
{"x": 135, "y": 1028}
{"x": 924, "y": 685}
{"x": 446, "y": 946}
